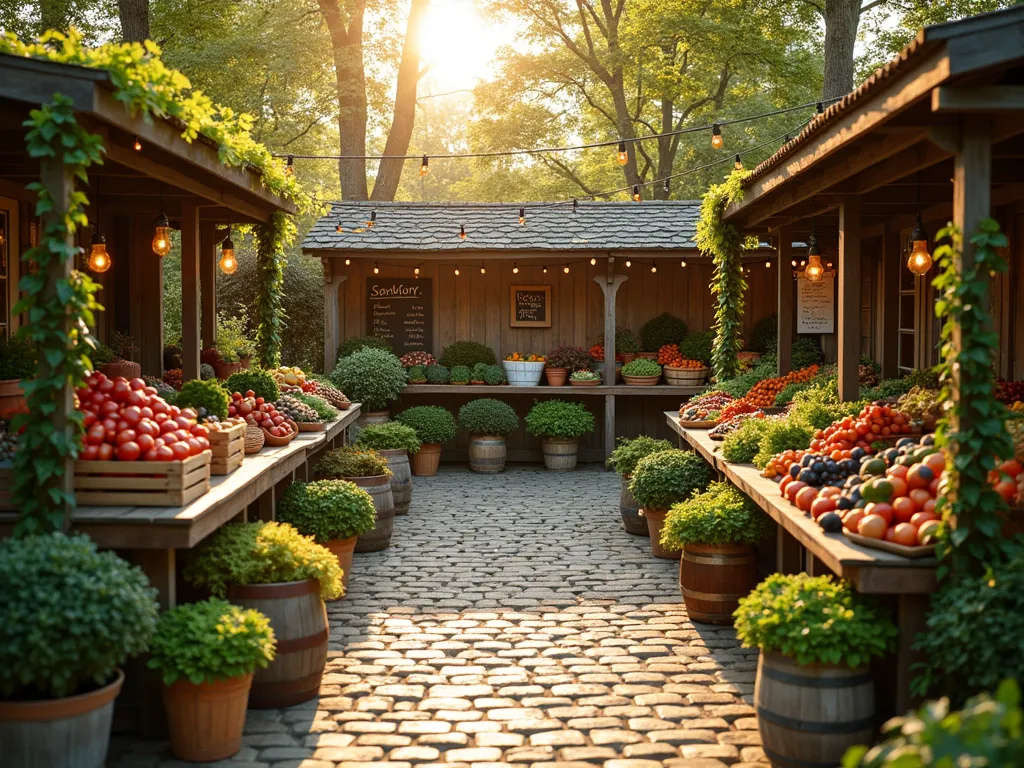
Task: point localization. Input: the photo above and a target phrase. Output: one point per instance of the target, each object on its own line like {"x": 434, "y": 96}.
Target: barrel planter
{"x": 426, "y": 460}
{"x": 685, "y": 377}
{"x": 343, "y": 549}
{"x": 629, "y": 508}
{"x": 712, "y": 579}
{"x": 401, "y": 478}
{"x": 205, "y": 721}
{"x": 298, "y": 617}
{"x": 12, "y": 398}
{"x": 124, "y": 368}
{"x": 73, "y": 732}
{"x": 487, "y": 454}
{"x": 655, "y": 520}
{"x": 368, "y": 418}
{"x": 379, "y": 488}
{"x": 809, "y": 715}
{"x": 560, "y": 455}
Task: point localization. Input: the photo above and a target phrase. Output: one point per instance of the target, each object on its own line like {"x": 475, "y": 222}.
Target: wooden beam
{"x": 332, "y": 313}
{"x": 147, "y": 296}
{"x": 609, "y": 283}
{"x": 190, "y": 247}
{"x": 984, "y": 98}
{"x": 849, "y": 300}
{"x": 209, "y": 238}
{"x": 784, "y": 352}
{"x": 887, "y": 345}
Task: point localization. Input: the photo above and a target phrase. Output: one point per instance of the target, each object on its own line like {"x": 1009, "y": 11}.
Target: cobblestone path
{"x": 512, "y": 621}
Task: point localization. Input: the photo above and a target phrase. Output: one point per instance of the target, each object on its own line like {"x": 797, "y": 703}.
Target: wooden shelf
{"x": 618, "y": 389}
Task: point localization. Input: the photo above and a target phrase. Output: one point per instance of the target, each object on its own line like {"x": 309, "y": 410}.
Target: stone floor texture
{"x": 511, "y": 622}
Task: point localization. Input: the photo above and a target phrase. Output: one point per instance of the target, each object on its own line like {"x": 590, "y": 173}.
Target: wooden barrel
{"x": 487, "y": 453}
{"x": 299, "y": 619}
{"x": 560, "y": 455}
{"x": 367, "y": 418}
{"x": 401, "y": 479}
{"x": 426, "y": 460}
{"x": 379, "y": 488}
{"x": 685, "y": 377}
{"x": 713, "y": 579}
{"x": 808, "y": 716}
{"x": 629, "y": 508}
{"x": 655, "y": 520}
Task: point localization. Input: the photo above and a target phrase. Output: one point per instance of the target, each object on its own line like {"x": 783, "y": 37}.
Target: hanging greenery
{"x": 60, "y": 314}
{"x": 973, "y": 432}
{"x": 271, "y": 239}
{"x": 724, "y": 243}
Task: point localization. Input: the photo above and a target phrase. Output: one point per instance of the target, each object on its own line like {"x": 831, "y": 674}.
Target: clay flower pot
{"x": 205, "y": 721}
{"x": 224, "y": 370}
{"x": 12, "y": 398}
{"x": 125, "y": 368}
{"x": 343, "y": 549}
{"x": 426, "y": 460}
{"x": 655, "y": 521}
{"x": 556, "y": 376}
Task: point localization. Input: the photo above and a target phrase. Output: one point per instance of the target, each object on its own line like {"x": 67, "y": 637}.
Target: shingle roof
{"x": 651, "y": 225}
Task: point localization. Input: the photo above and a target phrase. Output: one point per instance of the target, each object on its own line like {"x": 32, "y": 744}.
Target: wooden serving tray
{"x": 142, "y": 483}
{"x": 889, "y": 546}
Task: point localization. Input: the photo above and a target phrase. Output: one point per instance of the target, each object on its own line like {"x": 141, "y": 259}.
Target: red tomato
{"x": 169, "y": 438}
{"x": 137, "y": 384}
{"x": 160, "y": 418}
{"x": 204, "y": 444}
{"x": 109, "y": 408}
{"x": 193, "y": 446}
{"x": 147, "y": 412}
{"x": 129, "y": 451}
{"x": 148, "y": 427}
{"x": 805, "y": 497}
{"x": 929, "y": 506}
{"x": 121, "y": 390}
{"x": 200, "y": 431}
{"x": 88, "y": 419}
{"x": 897, "y": 470}
{"x": 182, "y": 434}
{"x": 146, "y": 442}
{"x": 873, "y": 526}
{"x": 935, "y": 486}
{"x": 174, "y": 410}
{"x": 250, "y": 393}
{"x": 149, "y": 455}
{"x": 821, "y": 505}
{"x": 126, "y": 436}
{"x": 136, "y": 398}
{"x": 89, "y": 452}
{"x": 1011, "y": 468}
{"x": 106, "y": 385}
{"x": 167, "y": 426}
{"x": 188, "y": 413}
{"x": 928, "y": 531}
{"x": 132, "y": 415}
{"x": 1006, "y": 489}
{"x": 183, "y": 422}
{"x": 881, "y": 509}
{"x": 920, "y": 497}
{"x": 180, "y": 451}
{"x": 159, "y": 406}
{"x": 164, "y": 453}
{"x": 151, "y": 391}
{"x": 96, "y": 434}
{"x": 105, "y": 452}
{"x": 903, "y": 509}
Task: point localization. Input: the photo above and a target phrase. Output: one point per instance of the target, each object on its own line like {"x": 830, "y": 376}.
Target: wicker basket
{"x": 523, "y": 374}
{"x": 685, "y": 377}
{"x": 254, "y": 439}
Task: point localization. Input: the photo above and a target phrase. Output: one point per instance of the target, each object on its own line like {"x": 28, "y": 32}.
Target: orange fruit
{"x": 905, "y": 534}
{"x": 873, "y": 526}
{"x": 852, "y": 519}
{"x": 927, "y": 532}
{"x": 805, "y": 497}
{"x": 920, "y": 518}
{"x": 903, "y": 509}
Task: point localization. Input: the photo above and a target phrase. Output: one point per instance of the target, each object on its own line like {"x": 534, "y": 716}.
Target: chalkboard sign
{"x": 402, "y": 312}
{"x": 531, "y": 306}
{"x": 815, "y": 305}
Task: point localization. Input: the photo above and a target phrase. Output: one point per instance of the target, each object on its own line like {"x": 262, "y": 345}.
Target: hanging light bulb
{"x": 289, "y": 167}
{"x": 483, "y": 269}
{"x": 339, "y": 229}
{"x": 738, "y": 164}
{"x": 372, "y": 221}
{"x": 668, "y": 187}
{"x": 228, "y": 262}
{"x": 623, "y": 155}
{"x": 628, "y": 263}
{"x": 462, "y": 231}
{"x": 920, "y": 260}
{"x": 767, "y": 264}
{"x": 161, "y": 236}
{"x": 717, "y": 141}
{"x": 522, "y": 216}
{"x": 425, "y": 166}
{"x": 593, "y": 261}
{"x": 137, "y": 145}
{"x": 814, "y": 271}
{"x": 654, "y": 267}
{"x": 682, "y": 263}
{"x": 456, "y": 271}
{"x": 348, "y": 262}
{"x": 636, "y": 193}
{"x": 803, "y": 262}
{"x": 566, "y": 269}
{"x": 793, "y": 263}
{"x": 416, "y": 271}
{"x": 515, "y": 268}
{"x": 545, "y": 270}
{"x": 99, "y": 259}
{"x": 376, "y": 269}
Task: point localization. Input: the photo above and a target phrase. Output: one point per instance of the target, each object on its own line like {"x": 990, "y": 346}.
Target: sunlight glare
{"x": 459, "y": 44}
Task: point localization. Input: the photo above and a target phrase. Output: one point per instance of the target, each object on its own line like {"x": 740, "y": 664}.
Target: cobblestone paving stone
{"x": 511, "y": 622}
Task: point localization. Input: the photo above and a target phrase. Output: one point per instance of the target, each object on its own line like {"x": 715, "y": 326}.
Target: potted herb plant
{"x": 659, "y": 331}
{"x": 438, "y": 374}
{"x": 434, "y": 425}
{"x": 461, "y": 374}
{"x": 368, "y": 470}
{"x": 206, "y": 654}
{"x": 334, "y": 512}
{"x": 584, "y": 379}
{"x": 69, "y": 616}
{"x": 641, "y": 372}
{"x": 661, "y": 480}
{"x": 559, "y": 424}
{"x": 231, "y": 343}
{"x": 417, "y": 374}
{"x": 260, "y": 382}
{"x": 494, "y": 376}
{"x": 814, "y": 687}
{"x": 208, "y": 398}
{"x": 372, "y": 377}
{"x": 394, "y": 442}
{"x": 479, "y": 371}
{"x": 118, "y": 358}
{"x": 564, "y": 360}
{"x": 17, "y": 362}
{"x": 623, "y": 460}
{"x": 717, "y": 531}
{"x": 274, "y": 569}
{"x": 626, "y": 345}
{"x": 488, "y": 422}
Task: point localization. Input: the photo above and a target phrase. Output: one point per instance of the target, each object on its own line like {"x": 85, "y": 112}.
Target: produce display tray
{"x": 142, "y": 483}
{"x": 889, "y": 546}
{"x": 316, "y": 426}
{"x": 697, "y": 424}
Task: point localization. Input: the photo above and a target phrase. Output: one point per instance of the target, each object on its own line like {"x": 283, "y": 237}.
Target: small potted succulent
{"x": 334, "y": 512}
{"x": 661, "y": 480}
{"x": 394, "y": 442}
{"x": 817, "y": 637}
{"x": 438, "y": 374}
{"x": 274, "y": 569}
{"x": 70, "y": 615}
{"x": 118, "y": 358}
{"x": 584, "y": 379}
{"x": 559, "y": 424}
{"x": 623, "y": 460}
{"x": 717, "y": 531}
{"x": 17, "y": 362}
{"x": 488, "y": 422}
{"x": 641, "y": 372}
{"x": 206, "y": 654}
{"x": 434, "y": 425}
{"x": 660, "y": 331}
{"x": 564, "y": 360}
{"x": 461, "y": 374}
{"x": 368, "y": 470}
{"x": 417, "y": 374}
{"x": 372, "y": 377}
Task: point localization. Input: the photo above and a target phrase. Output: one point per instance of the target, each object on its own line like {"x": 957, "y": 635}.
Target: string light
{"x": 137, "y": 145}
{"x": 654, "y": 267}
{"x": 425, "y": 166}
{"x": 376, "y": 269}
{"x": 814, "y": 270}
{"x": 515, "y": 268}
{"x": 348, "y": 262}
{"x": 483, "y": 270}
{"x": 593, "y": 261}
{"x": 462, "y": 231}
{"x": 793, "y": 262}
{"x": 99, "y": 259}
{"x": 522, "y": 216}
{"x": 289, "y": 167}
{"x": 738, "y": 164}
{"x": 161, "y": 236}
{"x": 920, "y": 260}
{"x": 372, "y": 220}
{"x": 803, "y": 262}
{"x": 717, "y": 141}
{"x": 339, "y": 228}
{"x": 623, "y": 156}
{"x": 682, "y": 263}
{"x": 636, "y": 193}
{"x": 456, "y": 271}
{"x": 416, "y": 271}
{"x": 767, "y": 264}
{"x": 228, "y": 262}
{"x": 628, "y": 263}
{"x": 566, "y": 269}
{"x": 545, "y": 270}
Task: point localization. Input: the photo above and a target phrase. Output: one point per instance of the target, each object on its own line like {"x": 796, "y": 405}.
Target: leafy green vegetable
{"x": 781, "y": 435}
{"x": 741, "y": 446}
{"x": 641, "y": 367}
{"x": 324, "y": 410}
{"x": 718, "y": 516}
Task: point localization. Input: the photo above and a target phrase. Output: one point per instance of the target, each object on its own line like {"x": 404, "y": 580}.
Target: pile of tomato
{"x": 128, "y": 421}
{"x": 871, "y": 424}
{"x": 259, "y": 413}
{"x": 763, "y": 394}
{"x": 736, "y": 408}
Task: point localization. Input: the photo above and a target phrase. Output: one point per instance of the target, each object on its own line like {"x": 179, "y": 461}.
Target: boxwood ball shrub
{"x": 259, "y": 381}
{"x": 698, "y": 346}
{"x": 69, "y": 615}
{"x": 718, "y": 516}
{"x": 467, "y": 353}
{"x": 488, "y": 416}
{"x": 433, "y": 424}
{"x": 390, "y": 436}
{"x": 461, "y": 374}
{"x": 349, "y": 461}
{"x": 814, "y": 620}
{"x": 206, "y": 372}
{"x": 327, "y": 509}
{"x": 559, "y": 419}
{"x": 262, "y": 553}
{"x": 438, "y": 374}
{"x": 628, "y": 452}
{"x": 479, "y": 372}
{"x": 668, "y": 477}
{"x": 372, "y": 377}
{"x": 357, "y": 343}
{"x": 641, "y": 367}
{"x": 661, "y": 330}
{"x": 210, "y": 640}
{"x": 206, "y": 397}
{"x": 495, "y": 376}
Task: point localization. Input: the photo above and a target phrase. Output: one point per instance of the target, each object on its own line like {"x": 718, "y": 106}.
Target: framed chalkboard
{"x": 530, "y": 306}
{"x": 401, "y": 311}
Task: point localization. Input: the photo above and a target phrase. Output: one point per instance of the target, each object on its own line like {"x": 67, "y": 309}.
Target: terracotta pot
{"x": 343, "y": 549}
{"x": 205, "y": 721}
{"x": 626, "y": 357}
{"x": 210, "y": 355}
{"x": 556, "y": 376}
{"x": 244, "y": 362}
{"x": 72, "y": 732}
{"x": 426, "y": 460}
{"x": 655, "y": 521}
{"x": 641, "y": 381}
{"x": 585, "y": 382}
{"x": 125, "y": 368}
{"x": 12, "y": 398}
{"x": 224, "y": 370}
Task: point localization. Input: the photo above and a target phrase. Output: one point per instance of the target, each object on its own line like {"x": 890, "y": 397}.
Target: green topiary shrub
{"x": 358, "y": 343}
{"x": 206, "y": 372}
{"x": 18, "y": 359}
{"x": 209, "y": 641}
{"x": 625, "y": 341}
{"x": 433, "y": 424}
{"x": 461, "y": 374}
{"x": 438, "y": 374}
{"x": 668, "y": 477}
{"x": 417, "y": 374}
{"x": 69, "y": 615}
{"x": 324, "y": 410}
{"x": 495, "y": 376}
{"x": 698, "y": 347}
{"x": 641, "y": 367}
{"x": 718, "y": 516}
{"x": 628, "y": 452}
{"x": 327, "y": 509}
{"x": 479, "y": 372}
{"x": 262, "y": 553}
{"x": 257, "y": 380}
{"x": 390, "y": 436}
{"x": 206, "y": 397}
{"x": 559, "y": 419}
{"x": 488, "y": 416}
{"x": 467, "y": 353}
{"x": 814, "y": 620}
{"x": 661, "y": 330}
{"x": 348, "y": 461}
{"x": 372, "y": 377}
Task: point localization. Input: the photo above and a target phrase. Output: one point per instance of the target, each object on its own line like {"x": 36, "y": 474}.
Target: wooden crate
{"x": 142, "y": 483}
{"x": 228, "y": 449}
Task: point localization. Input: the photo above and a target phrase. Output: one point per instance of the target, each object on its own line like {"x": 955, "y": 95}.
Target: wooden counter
{"x": 543, "y": 389}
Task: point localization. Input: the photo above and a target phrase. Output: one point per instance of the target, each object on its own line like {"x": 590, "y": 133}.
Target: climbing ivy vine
{"x": 60, "y": 314}
{"x": 271, "y": 239}
{"x": 724, "y": 243}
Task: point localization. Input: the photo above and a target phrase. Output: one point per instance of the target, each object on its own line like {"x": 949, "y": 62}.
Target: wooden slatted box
{"x": 228, "y": 448}
{"x": 142, "y": 483}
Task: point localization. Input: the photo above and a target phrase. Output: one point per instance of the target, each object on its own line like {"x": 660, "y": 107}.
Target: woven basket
{"x": 685, "y": 377}
{"x": 254, "y": 439}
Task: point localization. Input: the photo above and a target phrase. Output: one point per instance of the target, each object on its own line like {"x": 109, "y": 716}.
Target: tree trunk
{"x": 134, "y": 15}
{"x": 842, "y": 17}
{"x": 390, "y": 171}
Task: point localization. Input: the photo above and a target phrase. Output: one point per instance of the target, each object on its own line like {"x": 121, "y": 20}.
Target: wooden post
{"x": 208, "y": 241}
{"x": 161, "y": 569}
{"x": 784, "y": 352}
{"x": 849, "y": 299}
{"x": 888, "y": 347}
{"x": 147, "y": 297}
{"x": 610, "y": 287}
{"x": 190, "y": 248}
{"x": 332, "y": 326}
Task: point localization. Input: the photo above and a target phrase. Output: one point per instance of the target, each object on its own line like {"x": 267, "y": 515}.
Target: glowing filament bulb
{"x": 462, "y": 231}
{"x": 716, "y": 137}
{"x": 162, "y": 236}
{"x": 99, "y": 259}
{"x": 416, "y": 271}
{"x": 682, "y": 263}
{"x": 228, "y": 263}
{"x": 515, "y": 268}
{"x": 545, "y": 270}
{"x": 425, "y": 166}
{"x": 628, "y": 263}
{"x": 654, "y": 267}
{"x": 767, "y": 264}
{"x": 289, "y": 167}
{"x": 920, "y": 260}
{"x": 376, "y": 269}
{"x": 566, "y": 269}
{"x": 137, "y": 146}
{"x": 623, "y": 156}
{"x": 348, "y": 262}
{"x": 456, "y": 271}
{"x": 522, "y": 216}
{"x": 636, "y": 193}
{"x": 483, "y": 270}
{"x": 738, "y": 164}
{"x": 593, "y": 262}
